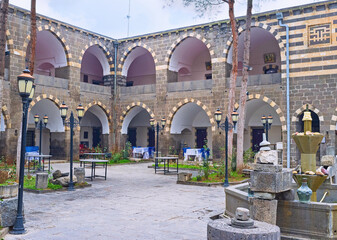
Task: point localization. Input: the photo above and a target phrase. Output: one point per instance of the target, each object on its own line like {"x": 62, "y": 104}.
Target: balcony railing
{"x": 92, "y": 88}
{"x": 49, "y": 81}
{"x": 139, "y": 89}
{"x": 189, "y": 85}
{"x": 261, "y": 79}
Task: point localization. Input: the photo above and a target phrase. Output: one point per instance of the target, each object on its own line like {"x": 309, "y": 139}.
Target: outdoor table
{"x": 40, "y": 157}
{"x": 166, "y": 159}
{"x": 93, "y": 166}
{"x": 197, "y": 152}
{"x": 145, "y": 152}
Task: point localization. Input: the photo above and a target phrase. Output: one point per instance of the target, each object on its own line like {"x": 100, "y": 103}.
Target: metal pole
{"x": 267, "y": 129}
{"x": 71, "y": 183}
{"x": 157, "y": 147}
{"x": 40, "y": 144}
{"x": 226, "y": 184}
{"x": 18, "y": 225}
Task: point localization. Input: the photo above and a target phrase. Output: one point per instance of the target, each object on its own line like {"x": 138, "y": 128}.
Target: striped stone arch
{"x": 129, "y": 50}
{"x": 102, "y": 106}
{"x": 270, "y": 103}
{"x": 181, "y": 39}
{"x": 6, "y": 115}
{"x": 297, "y": 113}
{"x": 9, "y": 41}
{"x": 132, "y": 105}
{"x": 56, "y": 32}
{"x": 271, "y": 29}
{"x": 55, "y": 100}
{"x": 182, "y": 103}
{"x": 333, "y": 121}
{"x": 105, "y": 51}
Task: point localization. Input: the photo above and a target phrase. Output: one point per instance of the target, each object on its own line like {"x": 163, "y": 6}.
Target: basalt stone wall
{"x": 312, "y": 45}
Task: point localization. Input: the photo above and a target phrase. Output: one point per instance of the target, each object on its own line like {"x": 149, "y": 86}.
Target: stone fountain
{"x": 308, "y": 143}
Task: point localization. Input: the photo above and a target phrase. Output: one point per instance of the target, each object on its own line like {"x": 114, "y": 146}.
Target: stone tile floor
{"x": 132, "y": 204}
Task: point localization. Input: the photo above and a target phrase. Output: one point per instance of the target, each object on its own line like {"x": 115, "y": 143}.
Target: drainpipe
{"x": 115, "y": 93}
{"x": 279, "y": 17}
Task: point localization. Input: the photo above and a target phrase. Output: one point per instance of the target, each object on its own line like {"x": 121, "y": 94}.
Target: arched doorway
{"x": 190, "y": 61}
{"x": 191, "y": 127}
{"x": 53, "y": 136}
{"x": 94, "y": 66}
{"x": 139, "y": 68}
{"x": 253, "y": 129}
{"x": 95, "y": 128}
{"x": 265, "y": 58}
{"x": 136, "y": 126}
{"x": 50, "y": 57}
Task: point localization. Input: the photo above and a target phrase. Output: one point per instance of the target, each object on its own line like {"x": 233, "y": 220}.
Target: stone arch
{"x": 310, "y": 107}
{"x": 55, "y": 100}
{"x": 181, "y": 39}
{"x": 105, "y": 51}
{"x": 129, "y": 50}
{"x": 271, "y": 103}
{"x": 9, "y": 40}
{"x": 333, "y": 121}
{"x": 5, "y": 113}
{"x": 58, "y": 36}
{"x": 102, "y": 106}
{"x": 135, "y": 104}
{"x": 182, "y": 103}
{"x": 271, "y": 30}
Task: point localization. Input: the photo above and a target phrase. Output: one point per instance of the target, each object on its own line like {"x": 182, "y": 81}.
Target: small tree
{"x": 202, "y": 6}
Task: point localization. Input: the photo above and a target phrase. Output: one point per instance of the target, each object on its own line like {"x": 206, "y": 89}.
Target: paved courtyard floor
{"x": 133, "y": 203}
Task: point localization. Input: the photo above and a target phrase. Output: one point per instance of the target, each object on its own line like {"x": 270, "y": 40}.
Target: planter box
{"x": 9, "y": 191}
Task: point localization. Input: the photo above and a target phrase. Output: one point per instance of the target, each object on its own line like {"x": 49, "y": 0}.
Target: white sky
{"x": 108, "y": 17}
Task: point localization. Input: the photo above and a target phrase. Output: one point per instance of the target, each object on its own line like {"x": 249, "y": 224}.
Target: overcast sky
{"x": 109, "y": 17}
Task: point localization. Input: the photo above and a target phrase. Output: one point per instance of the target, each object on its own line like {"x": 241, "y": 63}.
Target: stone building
{"x": 181, "y": 74}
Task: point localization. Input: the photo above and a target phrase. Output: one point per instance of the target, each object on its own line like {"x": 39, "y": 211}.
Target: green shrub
{"x": 248, "y": 155}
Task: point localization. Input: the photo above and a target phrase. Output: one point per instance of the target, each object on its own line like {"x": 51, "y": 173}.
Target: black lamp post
{"x": 267, "y": 122}
{"x": 26, "y": 91}
{"x": 226, "y": 126}
{"x": 72, "y": 122}
{"x": 40, "y": 126}
{"x": 157, "y": 129}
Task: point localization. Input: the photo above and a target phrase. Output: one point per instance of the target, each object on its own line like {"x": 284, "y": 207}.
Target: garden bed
{"x": 39, "y": 191}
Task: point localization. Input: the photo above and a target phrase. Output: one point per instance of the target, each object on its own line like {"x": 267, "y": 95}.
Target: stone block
{"x": 327, "y": 160}
{"x": 80, "y": 174}
{"x": 41, "y": 180}
{"x": 270, "y": 157}
{"x": 271, "y": 182}
{"x": 267, "y": 167}
{"x": 184, "y": 176}
{"x": 9, "y": 191}
{"x": 63, "y": 181}
{"x": 263, "y": 210}
{"x": 242, "y": 214}
{"x": 8, "y": 210}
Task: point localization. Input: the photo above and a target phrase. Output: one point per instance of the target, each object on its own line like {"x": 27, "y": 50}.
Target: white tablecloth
{"x": 144, "y": 151}
{"x": 193, "y": 152}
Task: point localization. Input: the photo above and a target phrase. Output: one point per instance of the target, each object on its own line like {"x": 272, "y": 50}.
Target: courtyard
{"x": 133, "y": 203}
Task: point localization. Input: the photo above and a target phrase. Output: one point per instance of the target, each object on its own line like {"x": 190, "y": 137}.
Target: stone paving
{"x": 133, "y": 203}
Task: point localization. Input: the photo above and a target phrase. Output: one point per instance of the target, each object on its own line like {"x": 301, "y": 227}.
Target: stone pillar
{"x": 80, "y": 174}
{"x": 41, "y": 180}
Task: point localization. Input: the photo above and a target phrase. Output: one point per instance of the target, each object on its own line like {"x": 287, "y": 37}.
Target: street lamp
{"x": 157, "y": 129}
{"x": 26, "y": 90}
{"x": 72, "y": 122}
{"x": 40, "y": 126}
{"x": 267, "y": 122}
{"x": 226, "y": 126}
